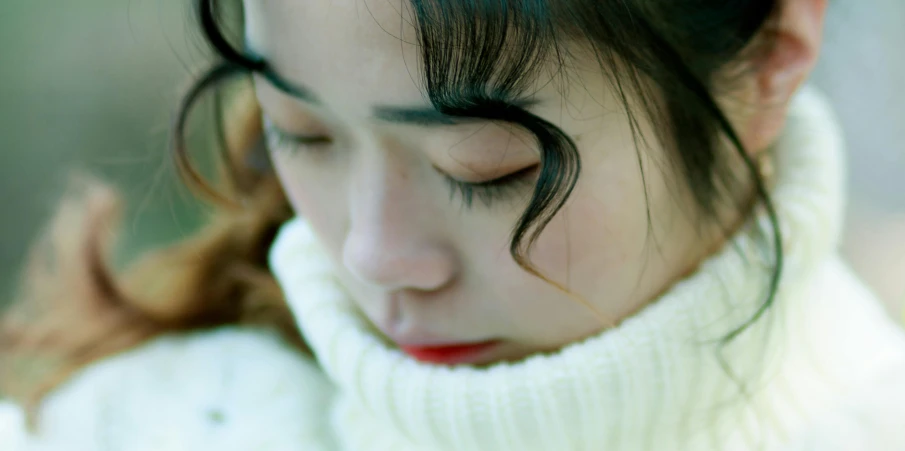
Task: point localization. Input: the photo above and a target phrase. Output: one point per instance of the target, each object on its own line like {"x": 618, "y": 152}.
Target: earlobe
{"x": 793, "y": 45}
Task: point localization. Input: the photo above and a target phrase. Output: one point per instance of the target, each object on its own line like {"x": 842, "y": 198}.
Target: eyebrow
{"x": 426, "y": 116}
{"x": 419, "y": 115}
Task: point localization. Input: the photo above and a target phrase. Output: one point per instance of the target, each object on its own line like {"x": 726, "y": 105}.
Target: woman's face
{"x": 426, "y": 267}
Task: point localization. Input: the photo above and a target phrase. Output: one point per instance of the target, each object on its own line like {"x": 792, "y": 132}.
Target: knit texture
{"x": 823, "y": 369}
{"x": 230, "y": 389}
{"x": 663, "y": 379}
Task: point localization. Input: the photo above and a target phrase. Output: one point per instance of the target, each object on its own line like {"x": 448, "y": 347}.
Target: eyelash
{"x": 293, "y": 143}
{"x": 489, "y": 192}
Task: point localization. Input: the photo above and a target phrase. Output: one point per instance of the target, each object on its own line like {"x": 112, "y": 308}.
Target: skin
{"x": 422, "y": 266}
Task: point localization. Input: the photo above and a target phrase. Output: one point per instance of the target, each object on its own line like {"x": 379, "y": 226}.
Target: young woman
{"x": 479, "y": 225}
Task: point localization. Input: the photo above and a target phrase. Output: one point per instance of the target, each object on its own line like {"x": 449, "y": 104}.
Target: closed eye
{"x": 489, "y": 192}
{"x": 281, "y": 139}
{"x": 492, "y": 191}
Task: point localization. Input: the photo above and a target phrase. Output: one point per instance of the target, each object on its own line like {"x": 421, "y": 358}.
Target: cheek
{"x": 586, "y": 241}
{"x": 312, "y": 199}
{"x": 595, "y": 245}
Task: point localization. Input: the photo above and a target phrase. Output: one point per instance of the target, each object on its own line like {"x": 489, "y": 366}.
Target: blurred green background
{"x": 92, "y": 84}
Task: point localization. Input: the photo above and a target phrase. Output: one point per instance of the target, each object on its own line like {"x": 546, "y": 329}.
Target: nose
{"x": 394, "y": 240}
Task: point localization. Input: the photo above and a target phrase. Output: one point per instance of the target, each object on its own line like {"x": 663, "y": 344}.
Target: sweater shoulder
{"x": 218, "y": 389}
{"x": 871, "y": 417}
{"x": 846, "y": 312}
{"x": 859, "y": 346}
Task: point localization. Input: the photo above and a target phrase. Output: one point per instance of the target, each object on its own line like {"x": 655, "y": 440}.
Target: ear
{"x": 793, "y": 44}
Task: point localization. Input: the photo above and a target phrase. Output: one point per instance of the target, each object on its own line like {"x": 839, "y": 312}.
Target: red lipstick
{"x": 450, "y": 355}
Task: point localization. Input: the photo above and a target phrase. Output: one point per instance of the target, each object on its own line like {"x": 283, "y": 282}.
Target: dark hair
{"x": 477, "y": 56}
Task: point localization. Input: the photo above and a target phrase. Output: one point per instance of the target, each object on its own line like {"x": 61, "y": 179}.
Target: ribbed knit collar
{"x": 660, "y": 380}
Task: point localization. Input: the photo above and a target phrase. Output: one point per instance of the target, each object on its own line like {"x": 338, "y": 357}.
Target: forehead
{"x": 349, "y": 52}
{"x": 356, "y": 54}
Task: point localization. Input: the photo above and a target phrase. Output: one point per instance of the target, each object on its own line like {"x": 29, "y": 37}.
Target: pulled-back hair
{"x": 666, "y": 59}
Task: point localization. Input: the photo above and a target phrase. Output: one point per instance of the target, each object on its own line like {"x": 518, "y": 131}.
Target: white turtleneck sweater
{"x": 824, "y": 369}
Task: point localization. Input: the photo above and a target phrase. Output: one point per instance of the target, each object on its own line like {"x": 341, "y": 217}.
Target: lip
{"x": 450, "y": 354}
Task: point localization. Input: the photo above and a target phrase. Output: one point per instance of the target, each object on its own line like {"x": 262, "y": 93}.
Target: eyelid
{"x": 508, "y": 177}
{"x": 500, "y": 188}
{"x": 271, "y": 128}
{"x": 511, "y": 177}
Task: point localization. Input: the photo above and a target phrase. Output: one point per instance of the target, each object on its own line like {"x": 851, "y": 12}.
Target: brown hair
{"x": 76, "y": 311}
{"x": 72, "y": 308}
